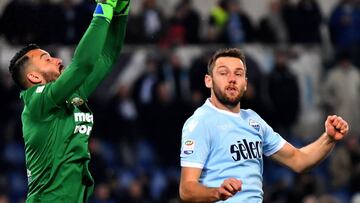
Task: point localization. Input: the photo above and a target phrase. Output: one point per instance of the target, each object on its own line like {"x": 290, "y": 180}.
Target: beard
{"x": 50, "y": 76}
{"x": 226, "y": 99}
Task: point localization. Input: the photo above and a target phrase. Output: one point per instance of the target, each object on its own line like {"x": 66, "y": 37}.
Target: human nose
{"x": 57, "y": 61}
{"x": 232, "y": 77}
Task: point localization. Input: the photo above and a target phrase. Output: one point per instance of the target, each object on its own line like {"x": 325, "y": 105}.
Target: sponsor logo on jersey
{"x": 83, "y": 129}
{"x": 244, "y": 149}
{"x": 40, "y": 89}
{"x": 188, "y": 147}
{"x": 83, "y": 117}
{"x": 254, "y": 124}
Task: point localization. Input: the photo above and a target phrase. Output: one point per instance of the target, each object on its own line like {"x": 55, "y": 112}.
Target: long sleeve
{"x": 104, "y": 64}
{"x": 83, "y": 62}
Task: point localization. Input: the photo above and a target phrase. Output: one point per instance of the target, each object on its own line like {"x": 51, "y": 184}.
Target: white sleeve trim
{"x": 280, "y": 145}
{"x": 191, "y": 164}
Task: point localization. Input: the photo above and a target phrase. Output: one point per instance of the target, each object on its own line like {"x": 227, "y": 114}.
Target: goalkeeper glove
{"x": 122, "y": 8}
{"x": 112, "y": 3}
{"x": 105, "y": 8}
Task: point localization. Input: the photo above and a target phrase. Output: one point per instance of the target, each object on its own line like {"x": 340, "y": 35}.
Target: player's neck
{"x": 219, "y": 105}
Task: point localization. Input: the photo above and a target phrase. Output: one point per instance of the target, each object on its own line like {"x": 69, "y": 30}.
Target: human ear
{"x": 33, "y": 77}
{"x": 208, "y": 81}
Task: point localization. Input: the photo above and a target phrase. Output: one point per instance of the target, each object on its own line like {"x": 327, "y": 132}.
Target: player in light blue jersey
{"x": 223, "y": 145}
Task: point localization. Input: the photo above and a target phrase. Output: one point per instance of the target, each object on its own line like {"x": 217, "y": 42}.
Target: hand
{"x": 112, "y": 3}
{"x": 229, "y": 188}
{"x": 336, "y": 127}
{"x": 122, "y": 8}
{"x": 105, "y": 8}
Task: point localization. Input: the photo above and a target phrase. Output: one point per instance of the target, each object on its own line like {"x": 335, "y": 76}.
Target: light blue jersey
{"x": 229, "y": 145}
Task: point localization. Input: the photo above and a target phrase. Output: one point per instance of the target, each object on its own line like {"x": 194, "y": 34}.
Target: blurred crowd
{"x": 301, "y": 67}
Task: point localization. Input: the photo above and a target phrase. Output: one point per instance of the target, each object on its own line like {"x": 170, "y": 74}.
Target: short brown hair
{"x": 227, "y": 52}
{"x": 18, "y": 63}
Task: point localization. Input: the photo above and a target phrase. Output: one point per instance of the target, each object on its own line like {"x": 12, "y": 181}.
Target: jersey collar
{"x": 209, "y": 104}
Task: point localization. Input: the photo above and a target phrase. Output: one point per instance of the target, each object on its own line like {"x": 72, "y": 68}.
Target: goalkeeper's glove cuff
{"x": 104, "y": 10}
{"x": 122, "y": 8}
{"x": 112, "y": 3}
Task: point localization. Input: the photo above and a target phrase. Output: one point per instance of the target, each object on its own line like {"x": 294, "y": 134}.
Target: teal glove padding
{"x": 104, "y": 10}
{"x": 122, "y": 8}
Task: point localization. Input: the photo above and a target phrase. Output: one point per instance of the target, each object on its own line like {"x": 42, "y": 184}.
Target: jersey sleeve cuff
{"x": 191, "y": 164}
{"x": 277, "y": 148}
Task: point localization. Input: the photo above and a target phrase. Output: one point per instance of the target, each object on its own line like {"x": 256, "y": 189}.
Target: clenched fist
{"x": 336, "y": 127}
{"x": 229, "y": 188}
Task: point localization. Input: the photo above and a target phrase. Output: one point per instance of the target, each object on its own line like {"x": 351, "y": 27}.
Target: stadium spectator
{"x": 342, "y": 95}
{"x": 309, "y": 18}
{"x": 238, "y": 28}
{"x": 196, "y": 75}
{"x": 217, "y": 20}
{"x": 186, "y": 23}
{"x": 344, "y": 26}
{"x": 18, "y": 29}
{"x": 152, "y": 22}
{"x": 272, "y": 29}
{"x": 284, "y": 95}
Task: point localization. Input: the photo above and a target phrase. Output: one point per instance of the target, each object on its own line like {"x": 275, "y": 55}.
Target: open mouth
{"x": 232, "y": 90}
{"x": 61, "y": 68}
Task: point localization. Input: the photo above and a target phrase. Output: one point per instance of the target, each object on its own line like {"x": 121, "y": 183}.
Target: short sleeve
{"x": 195, "y": 143}
{"x": 273, "y": 142}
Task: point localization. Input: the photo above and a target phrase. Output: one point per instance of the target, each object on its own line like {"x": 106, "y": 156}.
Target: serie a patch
{"x": 189, "y": 146}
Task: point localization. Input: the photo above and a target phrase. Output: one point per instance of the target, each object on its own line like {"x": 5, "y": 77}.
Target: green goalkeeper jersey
{"x": 56, "y": 145}
{"x": 57, "y": 121}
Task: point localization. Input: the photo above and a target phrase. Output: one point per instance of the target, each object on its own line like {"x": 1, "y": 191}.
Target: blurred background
{"x": 303, "y": 59}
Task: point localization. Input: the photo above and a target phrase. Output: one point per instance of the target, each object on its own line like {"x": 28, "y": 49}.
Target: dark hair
{"x": 227, "y": 52}
{"x": 17, "y": 64}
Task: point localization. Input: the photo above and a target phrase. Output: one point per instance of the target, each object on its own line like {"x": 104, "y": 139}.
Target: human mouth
{"x": 232, "y": 90}
{"x": 61, "y": 68}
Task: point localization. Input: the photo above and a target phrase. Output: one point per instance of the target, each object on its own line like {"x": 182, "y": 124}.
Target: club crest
{"x": 254, "y": 124}
{"x": 77, "y": 101}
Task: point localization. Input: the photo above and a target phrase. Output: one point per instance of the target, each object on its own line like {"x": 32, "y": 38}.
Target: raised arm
{"x": 307, "y": 157}
{"x": 85, "y": 56}
{"x": 111, "y": 50}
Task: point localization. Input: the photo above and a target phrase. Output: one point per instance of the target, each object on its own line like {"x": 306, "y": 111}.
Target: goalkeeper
{"x": 56, "y": 118}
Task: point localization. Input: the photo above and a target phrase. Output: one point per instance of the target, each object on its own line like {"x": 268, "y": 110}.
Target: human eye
{"x": 222, "y": 72}
{"x": 239, "y": 72}
{"x": 46, "y": 58}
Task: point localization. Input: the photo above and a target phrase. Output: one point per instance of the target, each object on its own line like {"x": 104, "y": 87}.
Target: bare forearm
{"x": 315, "y": 152}
{"x": 196, "y": 192}
{"x": 309, "y": 156}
